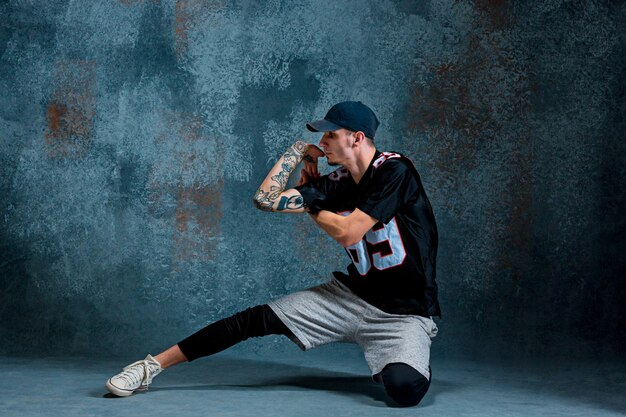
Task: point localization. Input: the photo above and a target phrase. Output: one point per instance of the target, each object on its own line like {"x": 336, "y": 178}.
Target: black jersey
{"x": 393, "y": 266}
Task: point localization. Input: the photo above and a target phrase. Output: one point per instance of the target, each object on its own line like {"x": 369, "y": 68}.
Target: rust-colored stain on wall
{"x": 473, "y": 97}
{"x": 191, "y": 130}
{"x": 188, "y": 14}
{"x": 133, "y": 2}
{"x": 181, "y": 27}
{"x": 198, "y": 215}
{"x": 71, "y": 110}
{"x": 448, "y": 103}
{"x": 474, "y": 109}
{"x": 498, "y": 14}
{"x": 198, "y": 207}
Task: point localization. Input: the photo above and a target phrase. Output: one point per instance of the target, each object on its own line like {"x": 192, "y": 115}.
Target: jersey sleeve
{"x": 393, "y": 185}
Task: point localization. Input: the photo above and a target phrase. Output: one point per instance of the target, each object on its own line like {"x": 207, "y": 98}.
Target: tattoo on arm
{"x": 282, "y": 177}
{"x": 299, "y": 147}
{"x": 294, "y": 202}
{"x": 262, "y": 202}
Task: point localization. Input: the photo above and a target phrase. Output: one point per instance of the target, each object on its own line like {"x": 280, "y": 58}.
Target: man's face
{"x": 337, "y": 145}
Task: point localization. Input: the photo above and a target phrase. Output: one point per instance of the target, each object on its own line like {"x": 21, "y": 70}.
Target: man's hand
{"x": 310, "y": 172}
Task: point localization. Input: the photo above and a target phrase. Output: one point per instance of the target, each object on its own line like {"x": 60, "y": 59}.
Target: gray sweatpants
{"x": 332, "y": 313}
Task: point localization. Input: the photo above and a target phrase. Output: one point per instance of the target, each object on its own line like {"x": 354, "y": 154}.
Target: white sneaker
{"x": 135, "y": 377}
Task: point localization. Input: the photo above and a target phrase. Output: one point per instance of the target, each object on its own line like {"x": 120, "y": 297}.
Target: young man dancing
{"x": 374, "y": 205}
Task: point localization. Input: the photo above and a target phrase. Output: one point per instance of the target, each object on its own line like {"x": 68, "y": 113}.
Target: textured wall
{"x": 133, "y": 134}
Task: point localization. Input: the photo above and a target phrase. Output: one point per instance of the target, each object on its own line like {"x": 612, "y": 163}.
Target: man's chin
{"x": 333, "y": 164}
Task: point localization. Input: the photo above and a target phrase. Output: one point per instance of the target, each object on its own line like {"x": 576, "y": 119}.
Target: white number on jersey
{"x": 382, "y": 247}
{"x": 383, "y": 157}
{"x": 338, "y": 174}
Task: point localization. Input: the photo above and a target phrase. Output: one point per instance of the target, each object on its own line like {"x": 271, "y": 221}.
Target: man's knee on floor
{"x": 405, "y": 385}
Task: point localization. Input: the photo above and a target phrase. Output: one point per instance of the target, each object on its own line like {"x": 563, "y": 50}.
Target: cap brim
{"x": 322, "y": 126}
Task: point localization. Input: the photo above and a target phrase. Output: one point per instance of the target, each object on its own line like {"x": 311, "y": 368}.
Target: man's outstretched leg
{"x": 253, "y": 322}
{"x": 170, "y": 357}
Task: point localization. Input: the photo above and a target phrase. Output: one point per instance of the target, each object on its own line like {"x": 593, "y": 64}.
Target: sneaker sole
{"x": 122, "y": 392}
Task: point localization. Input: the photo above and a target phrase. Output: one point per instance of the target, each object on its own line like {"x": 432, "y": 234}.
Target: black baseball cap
{"x": 351, "y": 115}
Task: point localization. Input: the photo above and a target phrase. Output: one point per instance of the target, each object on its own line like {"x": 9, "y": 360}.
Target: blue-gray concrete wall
{"x": 133, "y": 134}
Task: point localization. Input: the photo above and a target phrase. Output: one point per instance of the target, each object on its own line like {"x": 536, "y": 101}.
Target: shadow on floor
{"x": 232, "y": 373}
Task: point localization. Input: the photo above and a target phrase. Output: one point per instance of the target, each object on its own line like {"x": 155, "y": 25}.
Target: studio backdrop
{"x": 134, "y": 133}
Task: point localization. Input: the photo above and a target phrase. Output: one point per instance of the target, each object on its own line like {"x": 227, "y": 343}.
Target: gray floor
{"x": 324, "y": 382}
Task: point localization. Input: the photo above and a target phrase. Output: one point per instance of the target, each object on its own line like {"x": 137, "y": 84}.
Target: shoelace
{"x": 136, "y": 372}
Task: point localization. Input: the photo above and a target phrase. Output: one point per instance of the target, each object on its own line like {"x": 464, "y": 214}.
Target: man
{"x": 374, "y": 205}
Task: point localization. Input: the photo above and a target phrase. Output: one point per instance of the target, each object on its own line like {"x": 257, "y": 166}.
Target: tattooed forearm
{"x": 282, "y": 177}
{"x": 276, "y": 181}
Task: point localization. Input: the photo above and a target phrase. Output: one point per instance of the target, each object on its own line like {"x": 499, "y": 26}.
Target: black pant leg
{"x": 405, "y": 385}
{"x": 222, "y": 334}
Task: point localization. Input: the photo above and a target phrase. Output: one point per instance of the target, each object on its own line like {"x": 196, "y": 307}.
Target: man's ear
{"x": 359, "y": 137}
